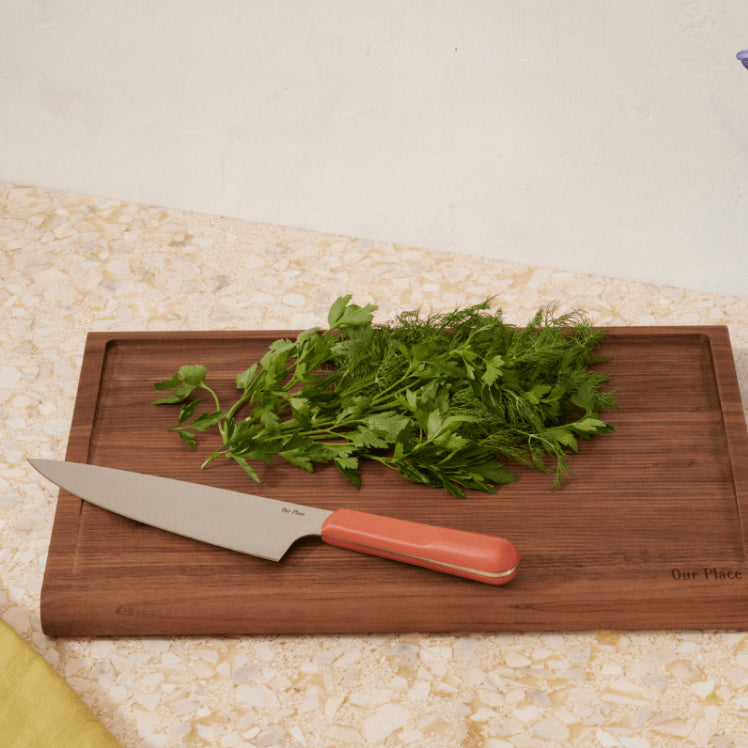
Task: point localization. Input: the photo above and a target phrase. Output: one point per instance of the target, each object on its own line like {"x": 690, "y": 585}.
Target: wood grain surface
{"x": 646, "y": 534}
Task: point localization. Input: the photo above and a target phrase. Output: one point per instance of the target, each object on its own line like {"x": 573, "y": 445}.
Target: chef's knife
{"x": 265, "y": 527}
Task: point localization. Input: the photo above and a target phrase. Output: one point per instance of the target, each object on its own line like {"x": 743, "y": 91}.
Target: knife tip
{"x": 38, "y": 463}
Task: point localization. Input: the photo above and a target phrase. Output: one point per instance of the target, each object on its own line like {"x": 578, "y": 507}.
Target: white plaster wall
{"x": 606, "y": 137}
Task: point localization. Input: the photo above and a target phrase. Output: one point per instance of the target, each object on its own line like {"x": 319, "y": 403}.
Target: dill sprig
{"x": 443, "y": 399}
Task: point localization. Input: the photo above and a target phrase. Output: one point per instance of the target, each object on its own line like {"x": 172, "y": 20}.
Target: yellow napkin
{"x": 38, "y": 709}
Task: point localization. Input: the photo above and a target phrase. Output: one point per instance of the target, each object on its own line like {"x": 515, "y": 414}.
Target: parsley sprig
{"x": 442, "y": 399}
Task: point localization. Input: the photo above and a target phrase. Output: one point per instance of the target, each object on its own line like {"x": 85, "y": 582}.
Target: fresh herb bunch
{"x": 441, "y": 399}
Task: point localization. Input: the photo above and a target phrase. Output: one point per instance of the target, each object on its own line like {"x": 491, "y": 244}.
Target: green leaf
{"x": 206, "y": 420}
{"x": 337, "y": 310}
{"x": 188, "y": 439}
{"x": 181, "y": 391}
{"x": 270, "y": 420}
{"x": 260, "y": 454}
{"x": 349, "y": 462}
{"x": 187, "y": 411}
{"x": 294, "y": 441}
{"x": 167, "y": 384}
{"x": 246, "y": 467}
{"x": 364, "y": 437}
{"x": 388, "y": 425}
{"x": 584, "y": 397}
{"x": 412, "y": 400}
{"x": 496, "y": 472}
{"x": 194, "y": 374}
{"x": 183, "y": 383}
{"x": 301, "y": 408}
{"x": 275, "y": 360}
{"x": 358, "y": 408}
{"x": 537, "y": 393}
{"x": 308, "y": 339}
{"x": 348, "y": 466}
{"x": 343, "y": 314}
{"x": 247, "y": 377}
{"x": 298, "y": 459}
{"x": 433, "y": 424}
{"x": 563, "y": 436}
{"x": 493, "y": 370}
{"x": 452, "y": 442}
{"x": 590, "y": 425}
{"x": 170, "y": 400}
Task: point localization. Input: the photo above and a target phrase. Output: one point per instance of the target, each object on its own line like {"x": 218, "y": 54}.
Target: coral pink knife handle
{"x": 484, "y": 558}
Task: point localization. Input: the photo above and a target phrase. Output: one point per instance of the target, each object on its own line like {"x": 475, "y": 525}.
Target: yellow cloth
{"x": 38, "y": 709}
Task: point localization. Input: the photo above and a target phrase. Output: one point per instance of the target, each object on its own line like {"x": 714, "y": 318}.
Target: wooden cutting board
{"x": 647, "y": 533}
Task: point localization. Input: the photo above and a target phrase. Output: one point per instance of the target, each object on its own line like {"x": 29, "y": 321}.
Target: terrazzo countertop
{"x": 71, "y": 264}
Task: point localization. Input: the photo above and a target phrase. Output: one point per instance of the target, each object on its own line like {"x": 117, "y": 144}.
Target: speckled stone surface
{"x": 70, "y": 264}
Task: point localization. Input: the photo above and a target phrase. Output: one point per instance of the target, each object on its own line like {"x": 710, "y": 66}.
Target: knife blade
{"x": 264, "y": 527}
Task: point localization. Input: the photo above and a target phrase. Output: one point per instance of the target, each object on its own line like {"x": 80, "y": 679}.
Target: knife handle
{"x": 483, "y": 558}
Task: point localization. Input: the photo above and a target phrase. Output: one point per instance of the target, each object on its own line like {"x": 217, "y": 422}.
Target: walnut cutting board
{"x": 647, "y": 533}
